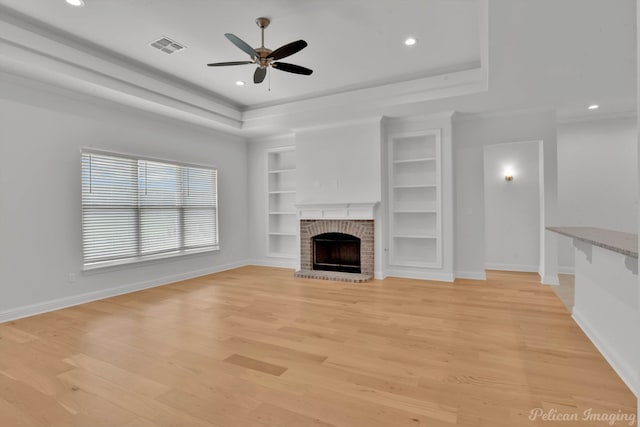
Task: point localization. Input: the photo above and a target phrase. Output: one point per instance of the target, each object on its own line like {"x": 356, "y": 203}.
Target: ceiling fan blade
{"x": 288, "y": 49}
{"x": 258, "y": 76}
{"x": 224, "y": 64}
{"x": 242, "y": 45}
{"x": 291, "y": 68}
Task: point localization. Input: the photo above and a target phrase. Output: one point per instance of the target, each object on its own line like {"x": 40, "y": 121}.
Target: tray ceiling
{"x": 352, "y": 44}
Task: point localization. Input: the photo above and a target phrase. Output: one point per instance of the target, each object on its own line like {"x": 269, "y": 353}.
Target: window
{"x": 139, "y": 209}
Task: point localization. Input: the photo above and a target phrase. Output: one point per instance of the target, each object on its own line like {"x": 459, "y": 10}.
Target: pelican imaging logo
{"x": 589, "y": 415}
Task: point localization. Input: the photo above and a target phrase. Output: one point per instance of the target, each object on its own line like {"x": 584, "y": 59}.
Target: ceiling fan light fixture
{"x": 240, "y": 83}
{"x": 410, "y": 41}
{"x": 265, "y": 58}
{"x": 76, "y": 3}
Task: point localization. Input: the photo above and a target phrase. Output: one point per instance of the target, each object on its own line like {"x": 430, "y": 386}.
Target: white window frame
{"x": 180, "y": 207}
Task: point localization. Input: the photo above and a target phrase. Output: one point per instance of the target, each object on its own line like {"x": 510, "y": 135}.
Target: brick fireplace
{"x": 346, "y": 224}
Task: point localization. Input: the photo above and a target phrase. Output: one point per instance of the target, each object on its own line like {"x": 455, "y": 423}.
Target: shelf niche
{"x": 282, "y": 218}
{"x": 415, "y": 208}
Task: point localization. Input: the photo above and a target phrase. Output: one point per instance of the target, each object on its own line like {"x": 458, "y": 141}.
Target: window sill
{"x": 113, "y": 265}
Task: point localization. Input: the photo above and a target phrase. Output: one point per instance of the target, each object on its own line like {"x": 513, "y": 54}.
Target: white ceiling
{"x": 550, "y": 54}
{"x": 352, "y": 44}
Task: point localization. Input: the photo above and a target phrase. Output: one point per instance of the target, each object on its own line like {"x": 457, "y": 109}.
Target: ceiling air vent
{"x": 167, "y": 45}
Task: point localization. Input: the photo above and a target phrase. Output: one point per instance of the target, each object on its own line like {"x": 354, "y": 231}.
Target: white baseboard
{"x": 550, "y": 280}
{"x": 420, "y": 275}
{"x": 514, "y": 267}
{"x": 566, "y": 270}
{"x": 625, "y": 370}
{"x": 474, "y": 275}
{"x": 59, "y": 303}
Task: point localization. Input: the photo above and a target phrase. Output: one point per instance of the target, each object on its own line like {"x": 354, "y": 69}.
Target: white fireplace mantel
{"x": 336, "y": 210}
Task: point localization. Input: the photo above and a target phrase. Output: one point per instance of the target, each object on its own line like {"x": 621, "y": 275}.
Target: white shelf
{"x": 415, "y": 211}
{"x": 282, "y": 216}
{"x": 408, "y": 236}
{"x": 282, "y": 171}
{"x": 415, "y": 186}
{"x": 283, "y": 192}
{"x": 425, "y": 159}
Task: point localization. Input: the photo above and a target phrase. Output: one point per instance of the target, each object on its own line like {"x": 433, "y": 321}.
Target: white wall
{"x": 339, "y": 164}
{"x": 597, "y": 178}
{"x": 470, "y": 135}
{"x": 257, "y": 180}
{"x": 43, "y": 130}
{"x": 512, "y": 209}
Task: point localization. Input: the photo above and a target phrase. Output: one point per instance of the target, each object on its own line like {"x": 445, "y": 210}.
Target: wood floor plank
{"x": 258, "y": 347}
{"x": 272, "y": 415}
{"x": 216, "y": 412}
{"x": 142, "y": 406}
{"x": 35, "y": 406}
{"x": 129, "y": 380}
{"x": 90, "y": 410}
{"x": 9, "y": 332}
{"x": 256, "y": 365}
{"x": 10, "y": 415}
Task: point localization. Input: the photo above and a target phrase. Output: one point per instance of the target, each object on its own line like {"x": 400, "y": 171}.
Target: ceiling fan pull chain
{"x": 269, "y": 71}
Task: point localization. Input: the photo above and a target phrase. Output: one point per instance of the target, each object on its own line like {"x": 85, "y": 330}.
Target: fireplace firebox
{"x": 336, "y": 252}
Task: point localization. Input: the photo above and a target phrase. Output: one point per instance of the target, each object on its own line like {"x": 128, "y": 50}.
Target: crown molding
{"x": 352, "y": 122}
{"x": 463, "y": 117}
{"x": 592, "y": 117}
{"x": 274, "y": 138}
{"x": 420, "y": 118}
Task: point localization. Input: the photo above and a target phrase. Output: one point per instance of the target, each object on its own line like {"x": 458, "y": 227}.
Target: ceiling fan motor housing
{"x": 264, "y": 54}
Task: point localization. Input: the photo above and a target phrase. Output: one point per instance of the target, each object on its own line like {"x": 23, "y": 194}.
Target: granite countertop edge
{"x": 616, "y": 241}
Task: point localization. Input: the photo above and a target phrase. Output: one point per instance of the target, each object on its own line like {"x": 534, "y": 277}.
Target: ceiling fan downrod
{"x": 262, "y": 61}
{"x": 262, "y": 23}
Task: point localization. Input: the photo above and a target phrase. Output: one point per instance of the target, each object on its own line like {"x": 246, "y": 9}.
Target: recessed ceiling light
{"x": 239, "y": 83}
{"x": 76, "y": 2}
{"x": 594, "y": 107}
{"x": 410, "y": 41}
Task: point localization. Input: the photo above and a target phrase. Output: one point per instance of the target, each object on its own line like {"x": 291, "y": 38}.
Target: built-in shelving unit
{"x": 415, "y": 218}
{"x": 281, "y": 196}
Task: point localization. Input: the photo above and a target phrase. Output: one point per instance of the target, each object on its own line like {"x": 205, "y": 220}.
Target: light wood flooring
{"x": 257, "y": 347}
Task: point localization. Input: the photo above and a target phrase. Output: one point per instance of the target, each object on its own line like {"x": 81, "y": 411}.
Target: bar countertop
{"x": 616, "y": 241}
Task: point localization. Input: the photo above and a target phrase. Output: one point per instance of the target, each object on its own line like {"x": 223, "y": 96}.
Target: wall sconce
{"x": 508, "y": 174}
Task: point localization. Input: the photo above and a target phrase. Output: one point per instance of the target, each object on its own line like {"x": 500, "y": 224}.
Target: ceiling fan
{"x": 265, "y": 58}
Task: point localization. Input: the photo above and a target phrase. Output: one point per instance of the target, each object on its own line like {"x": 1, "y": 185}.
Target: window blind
{"x": 136, "y": 209}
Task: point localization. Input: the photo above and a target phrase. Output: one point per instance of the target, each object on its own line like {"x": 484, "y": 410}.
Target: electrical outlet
{"x": 72, "y": 278}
